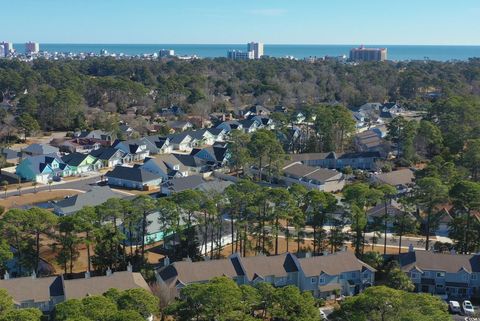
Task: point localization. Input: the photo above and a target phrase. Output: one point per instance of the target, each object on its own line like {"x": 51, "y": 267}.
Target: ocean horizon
{"x": 395, "y": 52}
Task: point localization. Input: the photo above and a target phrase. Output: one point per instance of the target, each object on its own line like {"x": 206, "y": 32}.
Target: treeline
{"x": 223, "y": 299}
{"x": 113, "y": 305}
{"x": 58, "y": 93}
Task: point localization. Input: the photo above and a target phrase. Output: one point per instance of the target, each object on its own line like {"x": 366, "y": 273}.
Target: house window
{"x": 474, "y": 277}
{"x": 440, "y": 274}
{"x": 341, "y": 277}
{"x": 313, "y": 280}
{"x": 415, "y": 275}
{"x": 322, "y": 281}
{"x": 354, "y": 275}
{"x": 439, "y": 286}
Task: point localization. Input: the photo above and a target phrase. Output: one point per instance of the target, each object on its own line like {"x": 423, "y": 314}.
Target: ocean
{"x": 395, "y": 52}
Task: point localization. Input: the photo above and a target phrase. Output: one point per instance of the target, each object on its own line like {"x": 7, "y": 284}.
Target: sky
{"x": 428, "y": 22}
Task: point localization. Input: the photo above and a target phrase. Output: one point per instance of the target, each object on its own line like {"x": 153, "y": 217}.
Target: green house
{"x": 81, "y": 163}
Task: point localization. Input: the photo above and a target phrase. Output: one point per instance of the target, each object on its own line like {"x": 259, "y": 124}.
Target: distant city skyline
{"x": 406, "y": 22}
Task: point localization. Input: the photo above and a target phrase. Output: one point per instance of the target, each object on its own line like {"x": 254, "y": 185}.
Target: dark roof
{"x": 40, "y": 149}
{"x": 360, "y": 155}
{"x": 451, "y": 263}
{"x": 189, "y": 160}
{"x": 178, "y": 138}
{"x": 105, "y": 153}
{"x": 215, "y": 131}
{"x": 10, "y": 153}
{"x": 135, "y": 174}
{"x": 247, "y": 123}
{"x": 96, "y": 196}
{"x": 183, "y": 183}
{"x": 74, "y": 159}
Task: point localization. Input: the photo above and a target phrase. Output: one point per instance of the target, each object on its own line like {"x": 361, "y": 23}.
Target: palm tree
{"x": 50, "y": 182}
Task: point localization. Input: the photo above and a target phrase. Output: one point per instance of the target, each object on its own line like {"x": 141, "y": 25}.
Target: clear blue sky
{"x": 239, "y": 21}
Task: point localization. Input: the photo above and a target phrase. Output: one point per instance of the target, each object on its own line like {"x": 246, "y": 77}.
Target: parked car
{"x": 323, "y": 316}
{"x": 454, "y": 307}
{"x": 467, "y": 308}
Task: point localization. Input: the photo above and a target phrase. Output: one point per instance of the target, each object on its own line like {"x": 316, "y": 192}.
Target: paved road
{"x": 82, "y": 184}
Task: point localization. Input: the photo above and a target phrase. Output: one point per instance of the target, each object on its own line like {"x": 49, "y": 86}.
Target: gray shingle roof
{"x": 332, "y": 264}
{"x": 135, "y": 174}
{"x": 40, "y": 149}
{"x": 96, "y": 196}
{"x": 451, "y": 263}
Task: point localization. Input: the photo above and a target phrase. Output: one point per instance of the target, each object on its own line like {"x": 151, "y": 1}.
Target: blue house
{"x": 43, "y": 168}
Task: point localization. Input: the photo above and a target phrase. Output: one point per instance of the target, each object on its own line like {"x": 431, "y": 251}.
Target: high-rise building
{"x": 240, "y": 55}
{"x": 7, "y": 48}
{"x": 368, "y": 54}
{"x": 166, "y": 53}
{"x": 257, "y": 48}
{"x": 32, "y": 48}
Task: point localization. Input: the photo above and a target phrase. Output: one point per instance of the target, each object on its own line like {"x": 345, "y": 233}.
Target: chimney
{"x": 6, "y": 276}
{"x": 109, "y": 272}
{"x": 166, "y": 261}
{"x": 410, "y": 248}
{"x": 129, "y": 267}
{"x": 87, "y": 275}
{"x": 34, "y": 275}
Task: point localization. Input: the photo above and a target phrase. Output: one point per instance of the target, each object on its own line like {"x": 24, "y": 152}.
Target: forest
{"x": 72, "y": 94}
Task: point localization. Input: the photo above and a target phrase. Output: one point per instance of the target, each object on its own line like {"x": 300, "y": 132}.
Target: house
{"x": 45, "y": 293}
{"x": 394, "y": 211}
{"x": 230, "y": 125}
{"x": 199, "y": 121}
{"x": 217, "y": 133}
{"x": 172, "y": 111}
{"x": 341, "y": 272}
{"x": 81, "y": 163}
{"x": 202, "y": 136}
{"x": 72, "y": 204}
{"x": 98, "y": 285}
{"x": 40, "y": 149}
{"x": 401, "y": 179}
{"x": 264, "y": 122}
{"x": 255, "y": 110}
{"x": 322, "y": 275}
{"x": 125, "y": 130}
{"x": 393, "y": 109}
{"x": 166, "y": 166}
{"x": 98, "y": 135}
{"x": 182, "y": 142}
{"x": 80, "y": 145}
{"x": 158, "y": 144}
{"x": 110, "y": 157}
{"x": 181, "y": 184}
{"x": 10, "y": 155}
{"x": 136, "y": 149}
{"x": 215, "y": 155}
{"x": 455, "y": 275}
{"x": 179, "y": 125}
{"x": 355, "y": 160}
{"x": 133, "y": 178}
{"x": 33, "y": 292}
{"x": 313, "y": 177}
{"x": 370, "y": 141}
{"x": 250, "y": 125}
{"x": 194, "y": 164}
{"x": 42, "y": 168}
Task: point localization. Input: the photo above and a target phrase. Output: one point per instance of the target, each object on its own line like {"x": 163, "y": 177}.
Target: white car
{"x": 467, "y": 308}
{"x": 454, "y": 307}
{"x": 323, "y": 316}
